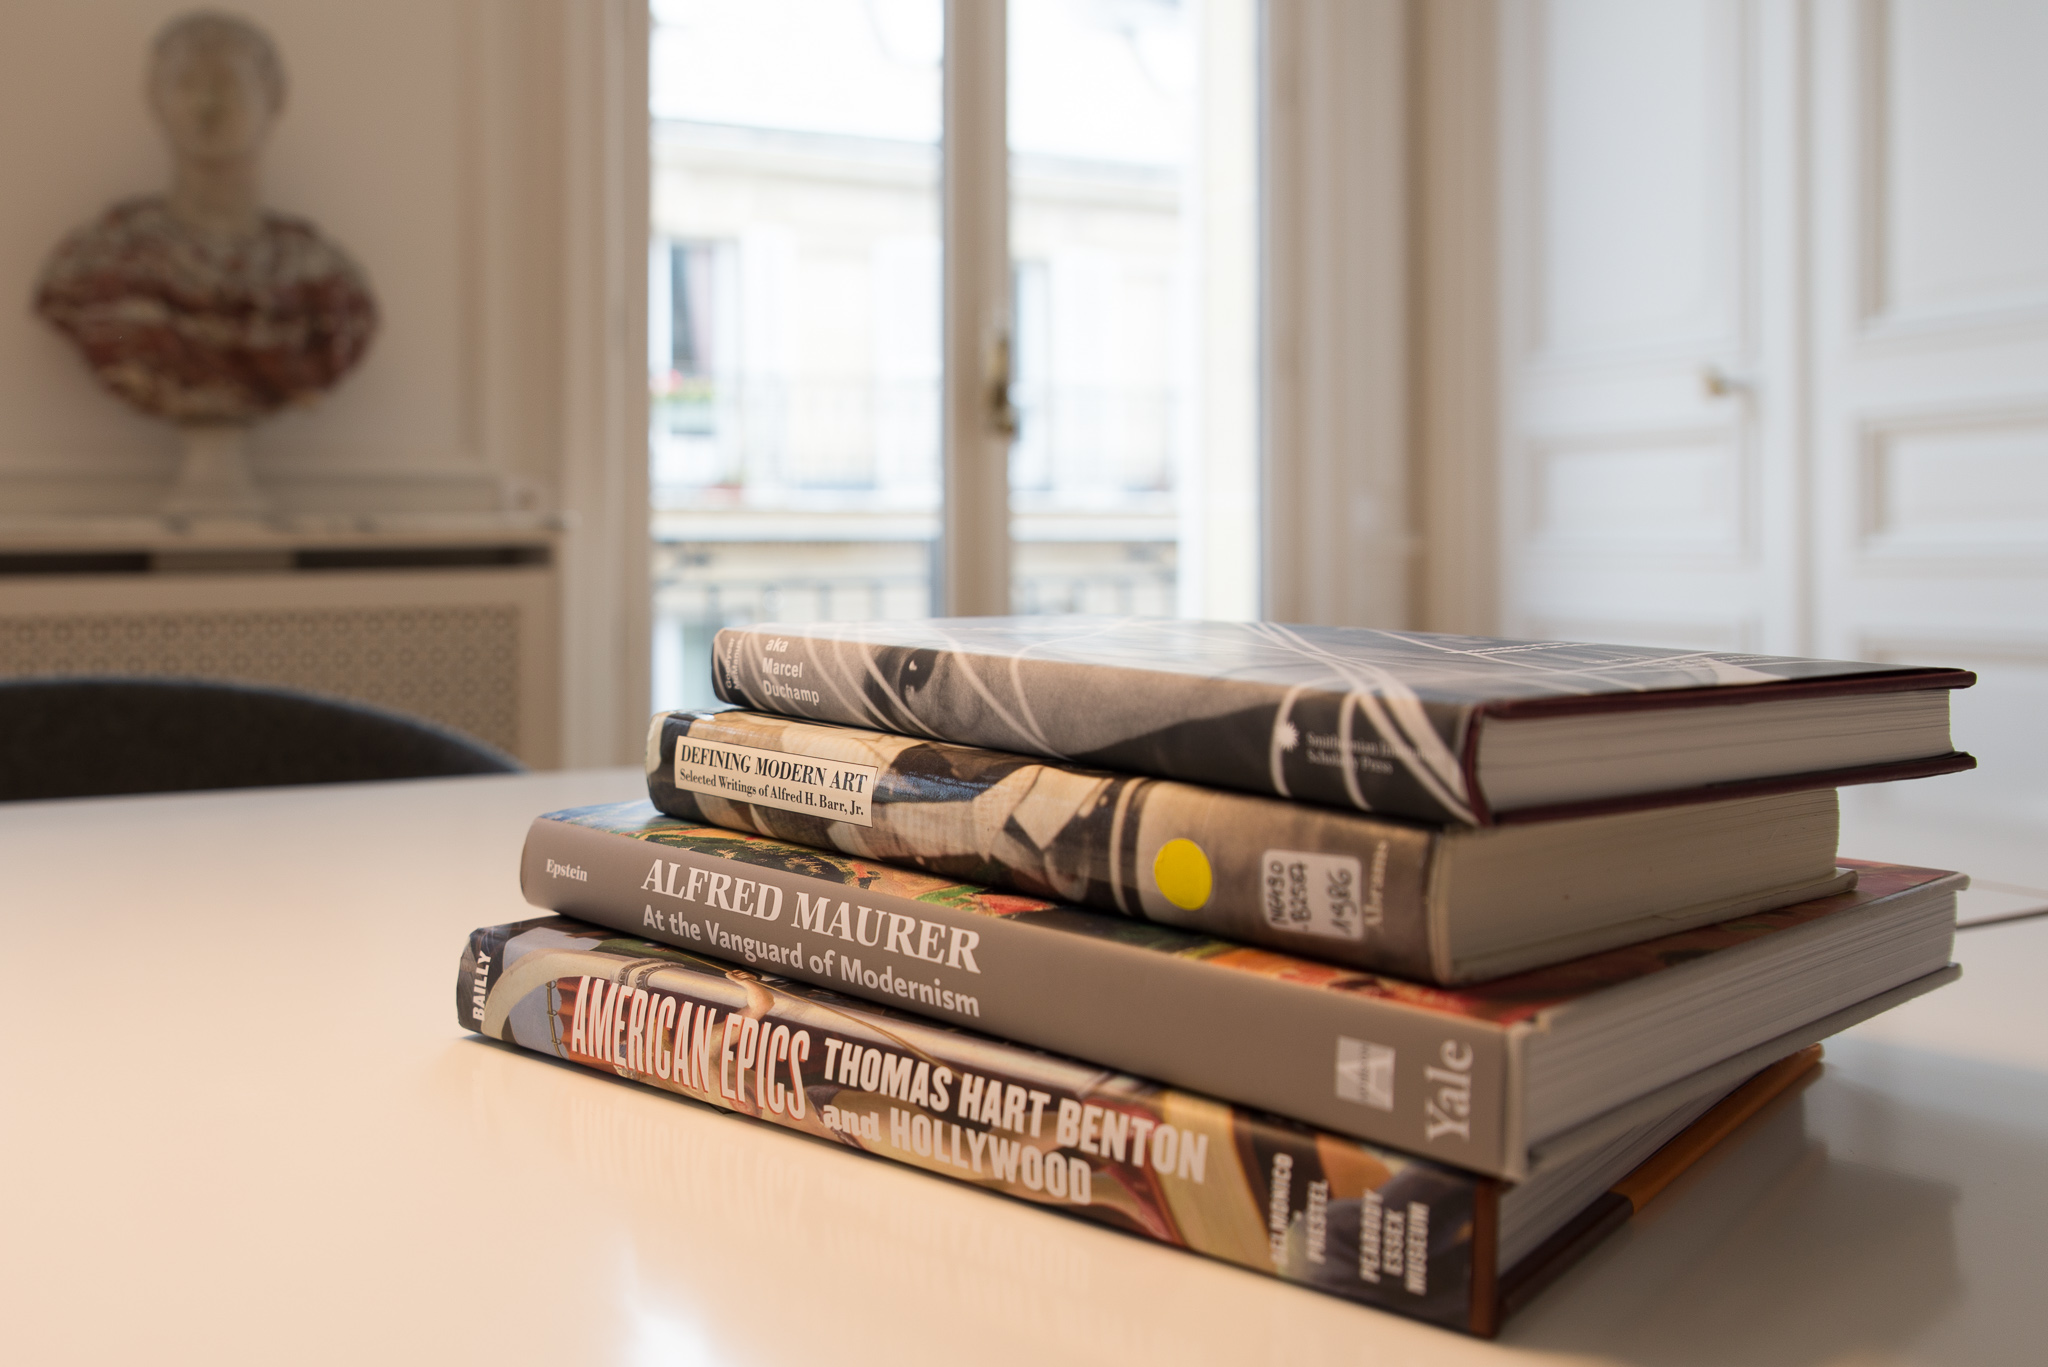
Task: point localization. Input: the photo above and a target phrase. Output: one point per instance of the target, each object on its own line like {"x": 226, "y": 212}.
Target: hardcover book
{"x": 1314, "y": 1208}
{"x": 1441, "y": 728}
{"x": 1490, "y": 1077}
{"x": 1442, "y": 904}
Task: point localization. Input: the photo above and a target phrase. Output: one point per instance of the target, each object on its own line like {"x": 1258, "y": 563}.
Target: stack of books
{"x": 1403, "y": 966}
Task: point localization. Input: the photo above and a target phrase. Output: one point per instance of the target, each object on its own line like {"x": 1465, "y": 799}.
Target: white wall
{"x": 473, "y": 157}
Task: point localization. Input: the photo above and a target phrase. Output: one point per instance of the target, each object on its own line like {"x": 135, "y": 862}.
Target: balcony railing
{"x": 757, "y": 441}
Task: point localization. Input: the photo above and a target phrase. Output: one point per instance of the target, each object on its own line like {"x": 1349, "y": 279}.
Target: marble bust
{"x": 199, "y": 305}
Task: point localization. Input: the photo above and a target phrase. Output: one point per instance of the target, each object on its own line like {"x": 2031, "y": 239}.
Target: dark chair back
{"x": 86, "y": 737}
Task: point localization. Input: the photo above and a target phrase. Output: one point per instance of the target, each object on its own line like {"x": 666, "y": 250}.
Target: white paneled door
{"x": 1775, "y": 340}
{"x": 1930, "y": 363}
{"x": 1636, "y": 470}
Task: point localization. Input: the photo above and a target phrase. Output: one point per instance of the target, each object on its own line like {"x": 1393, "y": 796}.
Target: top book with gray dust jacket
{"x": 1463, "y": 730}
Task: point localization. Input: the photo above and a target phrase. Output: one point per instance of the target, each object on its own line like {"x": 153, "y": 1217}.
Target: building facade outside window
{"x": 794, "y": 306}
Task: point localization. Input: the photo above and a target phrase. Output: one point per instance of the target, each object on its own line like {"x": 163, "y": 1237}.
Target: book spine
{"x": 1308, "y": 880}
{"x": 1310, "y": 1207}
{"x": 1377, "y": 748}
{"x": 1303, "y": 1040}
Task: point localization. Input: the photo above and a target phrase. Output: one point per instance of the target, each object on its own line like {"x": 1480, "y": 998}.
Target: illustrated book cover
{"x": 1315, "y": 1208}
{"x": 1443, "y": 904}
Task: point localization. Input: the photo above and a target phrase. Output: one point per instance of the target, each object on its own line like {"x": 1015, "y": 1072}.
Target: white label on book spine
{"x": 1313, "y": 894}
{"x": 768, "y": 778}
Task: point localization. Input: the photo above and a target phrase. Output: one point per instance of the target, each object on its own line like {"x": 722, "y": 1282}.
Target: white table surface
{"x": 239, "y": 1123}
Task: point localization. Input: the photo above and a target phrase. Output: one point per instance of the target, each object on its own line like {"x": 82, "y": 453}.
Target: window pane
{"x": 793, "y": 343}
{"x": 1132, "y": 200}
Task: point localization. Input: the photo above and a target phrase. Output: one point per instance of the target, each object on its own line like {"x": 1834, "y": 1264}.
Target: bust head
{"x": 216, "y": 85}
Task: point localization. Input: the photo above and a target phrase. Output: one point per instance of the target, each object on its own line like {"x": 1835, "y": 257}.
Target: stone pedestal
{"x": 214, "y": 480}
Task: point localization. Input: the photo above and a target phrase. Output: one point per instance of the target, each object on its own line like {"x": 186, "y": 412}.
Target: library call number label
{"x": 1317, "y": 894}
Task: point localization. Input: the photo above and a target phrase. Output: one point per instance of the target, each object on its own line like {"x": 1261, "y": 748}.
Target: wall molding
{"x": 1338, "y": 538}
{"x": 1545, "y": 534}
{"x": 1881, "y": 318}
{"x": 414, "y": 216}
{"x": 1455, "y": 308}
{"x": 1725, "y": 327}
{"x": 1883, "y": 442}
{"x": 607, "y": 596}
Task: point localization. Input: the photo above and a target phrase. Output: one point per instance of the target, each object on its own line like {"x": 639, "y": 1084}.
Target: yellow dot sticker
{"x": 1182, "y": 872}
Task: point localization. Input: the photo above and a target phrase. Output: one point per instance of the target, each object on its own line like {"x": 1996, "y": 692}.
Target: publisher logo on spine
{"x": 1365, "y": 1073}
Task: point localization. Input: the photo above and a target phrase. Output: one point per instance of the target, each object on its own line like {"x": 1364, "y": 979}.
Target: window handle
{"x": 1002, "y": 414}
